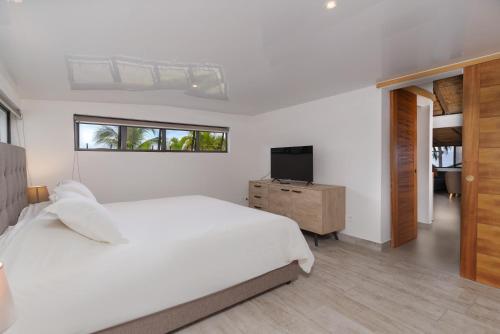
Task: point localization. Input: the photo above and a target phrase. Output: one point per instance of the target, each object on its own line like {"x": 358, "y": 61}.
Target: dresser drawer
{"x": 258, "y": 197}
{"x": 258, "y": 204}
{"x": 258, "y": 189}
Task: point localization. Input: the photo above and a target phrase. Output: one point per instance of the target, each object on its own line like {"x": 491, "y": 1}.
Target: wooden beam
{"x": 458, "y": 132}
{"x": 440, "y": 98}
{"x": 438, "y": 111}
{"x": 437, "y": 70}
{"x": 420, "y": 91}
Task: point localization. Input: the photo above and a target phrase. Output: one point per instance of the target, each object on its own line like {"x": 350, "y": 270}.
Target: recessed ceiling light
{"x": 15, "y": 1}
{"x": 331, "y": 4}
{"x": 195, "y": 86}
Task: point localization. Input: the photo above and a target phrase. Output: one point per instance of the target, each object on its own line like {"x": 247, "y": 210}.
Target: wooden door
{"x": 307, "y": 209}
{"x": 280, "y": 200}
{"x": 403, "y": 151}
{"x": 480, "y": 230}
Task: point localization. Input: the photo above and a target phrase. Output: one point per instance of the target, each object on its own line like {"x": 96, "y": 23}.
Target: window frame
{"x": 454, "y": 152}
{"x": 3, "y": 108}
{"x": 122, "y": 142}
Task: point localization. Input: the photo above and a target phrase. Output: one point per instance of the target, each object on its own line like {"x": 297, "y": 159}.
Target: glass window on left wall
{"x": 4, "y": 126}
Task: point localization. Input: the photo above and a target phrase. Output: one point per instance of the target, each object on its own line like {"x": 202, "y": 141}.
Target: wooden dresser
{"x": 317, "y": 208}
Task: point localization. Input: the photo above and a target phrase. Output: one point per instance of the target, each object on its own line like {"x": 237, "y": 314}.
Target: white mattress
{"x": 180, "y": 249}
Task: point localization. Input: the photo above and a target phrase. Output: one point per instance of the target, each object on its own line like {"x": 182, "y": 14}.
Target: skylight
{"x": 173, "y": 76}
{"x": 90, "y": 71}
{"x": 208, "y": 81}
{"x": 135, "y": 75}
{"x": 125, "y": 73}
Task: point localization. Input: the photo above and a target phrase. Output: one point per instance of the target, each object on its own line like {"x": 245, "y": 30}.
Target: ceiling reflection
{"x": 133, "y": 74}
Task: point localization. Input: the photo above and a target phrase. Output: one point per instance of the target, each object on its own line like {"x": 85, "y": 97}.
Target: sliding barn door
{"x": 480, "y": 232}
{"x": 403, "y": 167}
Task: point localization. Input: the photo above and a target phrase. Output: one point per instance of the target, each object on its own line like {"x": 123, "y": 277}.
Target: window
{"x": 142, "y": 139}
{"x": 4, "y": 125}
{"x": 98, "y": 137}
{"x": 447, "y": 156}
{"x": 180, "y": 140}
{"x": 93, "y": 133}
{"x": 212, "y": 141}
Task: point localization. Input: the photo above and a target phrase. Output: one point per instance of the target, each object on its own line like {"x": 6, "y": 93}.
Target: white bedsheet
{"x": 180, "y": 249}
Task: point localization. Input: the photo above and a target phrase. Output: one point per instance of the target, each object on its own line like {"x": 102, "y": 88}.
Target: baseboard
{"x": 364, "y": 243}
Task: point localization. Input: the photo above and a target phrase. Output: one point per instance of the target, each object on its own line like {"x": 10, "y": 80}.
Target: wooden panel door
{"x": 403, "y": 167}
{"x": 480, "y": 239}
{"x": 307, "y": 209}
{"x": 280, "y": 200}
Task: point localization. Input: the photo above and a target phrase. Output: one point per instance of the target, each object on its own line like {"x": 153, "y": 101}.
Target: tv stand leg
{"x": 335, "y": 235}
{"x": 315, "y": 240}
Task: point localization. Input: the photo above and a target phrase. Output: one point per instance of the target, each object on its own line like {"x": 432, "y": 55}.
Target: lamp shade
{"x": 37, "y": 194}
{"x": 7, "y": 311}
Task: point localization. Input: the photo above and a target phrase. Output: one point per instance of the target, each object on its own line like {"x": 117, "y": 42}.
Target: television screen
{"x": 292, "y": 163}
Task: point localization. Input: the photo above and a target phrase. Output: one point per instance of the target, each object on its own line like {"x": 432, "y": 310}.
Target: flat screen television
{"x": 292, "y": 163}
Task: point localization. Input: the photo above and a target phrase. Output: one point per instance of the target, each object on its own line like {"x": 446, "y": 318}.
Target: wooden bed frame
{"x": 13, "y": 199}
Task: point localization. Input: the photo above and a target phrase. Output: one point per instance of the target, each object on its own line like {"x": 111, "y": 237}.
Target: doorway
{"x": 426, "y": 151}
{"x": 480, "y": 181}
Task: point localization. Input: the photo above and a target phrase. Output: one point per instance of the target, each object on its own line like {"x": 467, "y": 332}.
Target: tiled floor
{"x": 438, "y": 244}
{"x": 356, "y": 290}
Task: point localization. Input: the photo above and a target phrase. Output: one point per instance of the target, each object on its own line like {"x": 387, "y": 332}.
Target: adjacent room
{"x": 319, "y": 166}
{"x": 439, "y": 109}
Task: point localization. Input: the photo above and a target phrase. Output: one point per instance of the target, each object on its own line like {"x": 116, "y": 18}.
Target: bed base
{"x": 182, "y": 315}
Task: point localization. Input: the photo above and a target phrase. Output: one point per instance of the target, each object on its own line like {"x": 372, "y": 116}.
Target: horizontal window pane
{"x": 142, "y": 139}
{"x": 106, "y": 133}
{"x": 180, "y": 140}
{"x": 95, "y": 136}
{"x": 212, "y": 141}
{"x": 3, "y": 126}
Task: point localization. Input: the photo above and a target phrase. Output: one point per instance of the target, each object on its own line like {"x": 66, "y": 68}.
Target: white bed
{"x": 179, "y": 249}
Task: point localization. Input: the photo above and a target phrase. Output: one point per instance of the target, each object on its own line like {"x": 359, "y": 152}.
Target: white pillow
{"x": 70, "y": 188}
{"x": 88, "y": 218}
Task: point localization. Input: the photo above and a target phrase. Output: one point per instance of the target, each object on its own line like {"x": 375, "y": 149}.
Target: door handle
{"x": 469, "y": 178}
{"x": 257, "y": 207}
{"x": 297, "y": 191}
{"x": 257, "y": 196}
{"x": 257, "y": 186}
{"x": 285, "y": 189}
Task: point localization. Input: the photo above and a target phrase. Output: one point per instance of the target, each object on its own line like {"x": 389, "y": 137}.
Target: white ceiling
{"x": 274, "y": 53}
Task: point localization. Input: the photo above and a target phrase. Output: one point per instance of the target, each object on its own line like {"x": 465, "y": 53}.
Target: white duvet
{"x": 180, "y": 249}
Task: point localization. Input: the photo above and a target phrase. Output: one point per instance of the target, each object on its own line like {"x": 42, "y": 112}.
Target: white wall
{"x": 424, "y": 165}
{"x": 122, "y": 176}
{"x": 346, "y": 131}
{"x": 7, "y": 85}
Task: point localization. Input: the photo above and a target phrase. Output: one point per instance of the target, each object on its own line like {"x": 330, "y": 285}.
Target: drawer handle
{"x": 285, "y": 189}
{"x": 297, "y": 191}
{"x": 257, "y": 186}
{"x": 257, "y": 207}
{"x": 257, "y": 196}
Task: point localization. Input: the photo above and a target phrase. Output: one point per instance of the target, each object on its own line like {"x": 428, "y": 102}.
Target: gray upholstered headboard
{"x": 12, "y": 184}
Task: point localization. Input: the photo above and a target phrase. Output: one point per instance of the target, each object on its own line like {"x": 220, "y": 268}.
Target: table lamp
{"x": 37, "y": 194}
{"x": 7, "y": 312}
